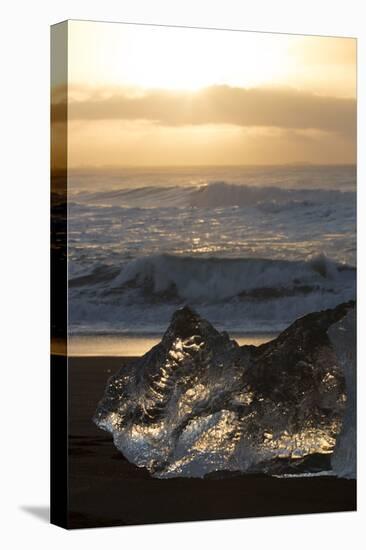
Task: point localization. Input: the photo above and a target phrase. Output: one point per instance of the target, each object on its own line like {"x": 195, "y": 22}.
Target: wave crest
{"x": 217, "y": 194}
{"x": 244, "y": 295}
{"x": 212, "y": 280}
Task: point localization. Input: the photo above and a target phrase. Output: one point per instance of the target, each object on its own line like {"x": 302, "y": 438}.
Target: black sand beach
{"x": 106, "y": 490}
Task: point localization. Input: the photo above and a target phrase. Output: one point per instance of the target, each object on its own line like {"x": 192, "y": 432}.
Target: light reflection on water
{"x": 107, "y": 345}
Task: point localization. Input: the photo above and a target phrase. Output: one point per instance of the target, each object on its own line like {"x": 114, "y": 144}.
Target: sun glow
{"x": 155, "y": 95}
{"x": 175, "y": 58}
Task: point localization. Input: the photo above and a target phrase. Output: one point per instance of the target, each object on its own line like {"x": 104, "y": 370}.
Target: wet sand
{"x": 105, "y": 489}
{"x": 112, "y": 345}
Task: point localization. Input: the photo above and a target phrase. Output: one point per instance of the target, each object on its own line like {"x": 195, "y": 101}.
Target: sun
{"x": 174, "y": 58}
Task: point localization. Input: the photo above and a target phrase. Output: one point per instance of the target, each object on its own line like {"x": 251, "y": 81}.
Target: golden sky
{"x": 145, "y": 95}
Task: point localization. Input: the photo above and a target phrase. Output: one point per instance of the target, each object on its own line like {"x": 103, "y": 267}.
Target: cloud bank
{"x": 284, "y": 108}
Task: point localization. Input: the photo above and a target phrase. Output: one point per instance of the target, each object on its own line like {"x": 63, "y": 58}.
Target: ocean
{"x": 249, "y": 248}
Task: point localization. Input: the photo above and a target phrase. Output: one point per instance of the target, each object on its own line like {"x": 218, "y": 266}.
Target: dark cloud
{"x": 256, "y": 107}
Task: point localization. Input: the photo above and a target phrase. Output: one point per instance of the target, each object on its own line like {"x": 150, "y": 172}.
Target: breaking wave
{"x": 267, "y": 290}
{"x": 200, "y": 280}
{"x": 248, "y": 255}
{"x": 216, "y": 195}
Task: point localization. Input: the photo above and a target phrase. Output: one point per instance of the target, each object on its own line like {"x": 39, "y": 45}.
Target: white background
{"x": 24, "y": 305}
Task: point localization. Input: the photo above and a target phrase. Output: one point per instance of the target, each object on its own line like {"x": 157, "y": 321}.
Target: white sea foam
{"x": 237, "y": 294}
{"x": 251, "y": 255}
{"x": 211, "y": 280}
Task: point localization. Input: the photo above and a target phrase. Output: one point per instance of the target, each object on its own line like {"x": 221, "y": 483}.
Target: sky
{"x": 149, "y": 95}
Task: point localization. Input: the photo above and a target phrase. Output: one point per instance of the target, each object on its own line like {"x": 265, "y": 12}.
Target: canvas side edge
{"x": 59, "y": 359}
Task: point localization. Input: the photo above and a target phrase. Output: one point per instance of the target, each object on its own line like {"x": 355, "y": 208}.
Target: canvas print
{"x": 203, "y": 274}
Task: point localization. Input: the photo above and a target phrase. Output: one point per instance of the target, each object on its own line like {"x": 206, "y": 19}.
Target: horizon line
{"x": 204, "y": 165}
